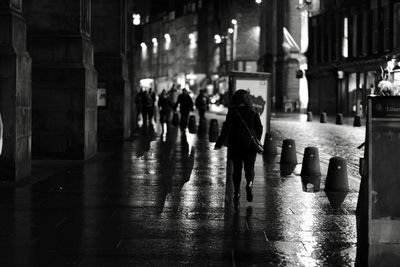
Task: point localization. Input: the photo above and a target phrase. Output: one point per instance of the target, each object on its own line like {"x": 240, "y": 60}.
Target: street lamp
{"x": 136, "y": 19}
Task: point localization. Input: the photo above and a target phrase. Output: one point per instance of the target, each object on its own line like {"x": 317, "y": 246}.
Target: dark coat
{"x": 185, "y": 102}
{"x": 234, "y": 133}
{"x": 165, "y": 104}
{"x": 202, "y": 101}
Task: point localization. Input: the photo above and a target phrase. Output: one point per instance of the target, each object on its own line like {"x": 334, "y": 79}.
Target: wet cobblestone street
{"x": 330, "y": 139}
{"x": 166, "y": 200}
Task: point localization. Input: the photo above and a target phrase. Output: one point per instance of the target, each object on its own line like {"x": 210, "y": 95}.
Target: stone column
{"x": 110, "y": 39}
{"x": 15, "y": 92}
{"x": 64, "y": 80}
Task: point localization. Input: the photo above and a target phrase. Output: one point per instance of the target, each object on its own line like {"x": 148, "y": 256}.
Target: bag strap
{"x": 245, "y": 124}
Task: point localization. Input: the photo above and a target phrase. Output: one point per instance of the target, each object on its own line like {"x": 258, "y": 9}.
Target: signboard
{"x": 257, "y": 83}
{"x": 379, "y": 198}
{"x": 101, "y": 97}
{"x": 384, "y": 153}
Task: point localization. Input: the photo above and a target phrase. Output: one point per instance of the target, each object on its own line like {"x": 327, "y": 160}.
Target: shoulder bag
{"x": 257, "y": 143}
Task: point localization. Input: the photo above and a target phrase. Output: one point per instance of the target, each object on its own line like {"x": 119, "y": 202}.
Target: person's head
{"x": 163, "y": 92}
{"x": 241, "y": 98}
{"x": 184, "y": 91}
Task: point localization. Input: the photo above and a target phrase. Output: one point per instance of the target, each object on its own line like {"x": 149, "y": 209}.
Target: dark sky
{"x": 154, "y": 5}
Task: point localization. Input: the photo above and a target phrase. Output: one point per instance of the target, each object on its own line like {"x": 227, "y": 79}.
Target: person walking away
{"x": 165, "y": 106}
{"x": 174, "y": 93}
{"x": 148, "y": 100}
{"x": 202, "y": 103}
{"x": 138, "y": 102}
{"x": 185, "y": 104}
{"x": 241, "y": 148}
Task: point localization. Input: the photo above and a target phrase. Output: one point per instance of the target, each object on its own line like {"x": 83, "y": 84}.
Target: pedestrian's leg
{"x": 144, "y": 116}
{"x": 151, "y": 114}
{"x": 236, "y": 178}
{"x": 184, "y": 120}
{"x": 202, "y": 114}
{"x": 249, "y": 162}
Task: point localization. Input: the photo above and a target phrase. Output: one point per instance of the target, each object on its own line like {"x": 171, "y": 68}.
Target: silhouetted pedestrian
{"x": 165, "y": 107}
{"x": 241, "y": 148}
{"x": 138, "y": 102}
{"x": 148, "y": 100}
{"x": 186, "y": 105}
{"x": 202, "y": 103}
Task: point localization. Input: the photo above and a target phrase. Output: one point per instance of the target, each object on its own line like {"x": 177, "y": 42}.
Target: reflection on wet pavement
{"x": 166, "y": 200}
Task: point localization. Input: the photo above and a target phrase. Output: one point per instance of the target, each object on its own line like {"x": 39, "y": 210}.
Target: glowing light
{"x": 193, "y": 44}
{"x": 167, "y": 38}
{"x": 258, "y": 1}
{"x": 230, "y": 30}
{"x": 146, "y": 83}
{"x": 155, "y": 42}
{"x": 144, "y": 50}
{"x": 136, "y": 19}
{"x": 234, "y": 21}
{"x": 191, "y": 76}
{"x": 217, "y": 39}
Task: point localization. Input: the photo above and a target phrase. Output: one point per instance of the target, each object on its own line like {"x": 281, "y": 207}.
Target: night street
{"x": 161, "y": 201}
{"x": 200, "y": 133}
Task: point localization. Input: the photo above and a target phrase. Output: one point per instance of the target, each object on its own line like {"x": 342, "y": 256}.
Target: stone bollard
{"x": 337, "y": 184}
{"x": 323, "y": 117}
{"x": 175, "y": 119}
{"x": 192, "y": 124}
{"x": 310, "y": 170}
{"x": 270, "y": 148}
{"x": 202, "y": 128}
{"x": 336, "y": 179}
{"x": 309, "y": 116}
{"x": 288, "y": 157}
{"x": 339, "y": 118}
{"x": 213, "y": 130}
{"x": 357, "y": 121}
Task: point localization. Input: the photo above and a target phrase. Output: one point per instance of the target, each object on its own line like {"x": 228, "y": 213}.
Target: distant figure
{"x": 148, "y": 100}
{"x": 241, "y": 148}
{"x": 138, "y": 102}
{"x": 186, "y": 105}
{"x": 174, "y": 93}
{"x": 202, "y": 104}
{"x": 165, "y": 107}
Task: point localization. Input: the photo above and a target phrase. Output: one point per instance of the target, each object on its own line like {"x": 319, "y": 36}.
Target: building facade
{"x": 197, "y": 43}
{"x": 283, "y": 42}
{"x": 353, "y": 46}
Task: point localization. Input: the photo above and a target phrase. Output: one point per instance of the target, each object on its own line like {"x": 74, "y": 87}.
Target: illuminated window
{"x": 345, "y": 39}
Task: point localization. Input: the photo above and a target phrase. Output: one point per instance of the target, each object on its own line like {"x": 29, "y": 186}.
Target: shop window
{"x": 352, "y": 93}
